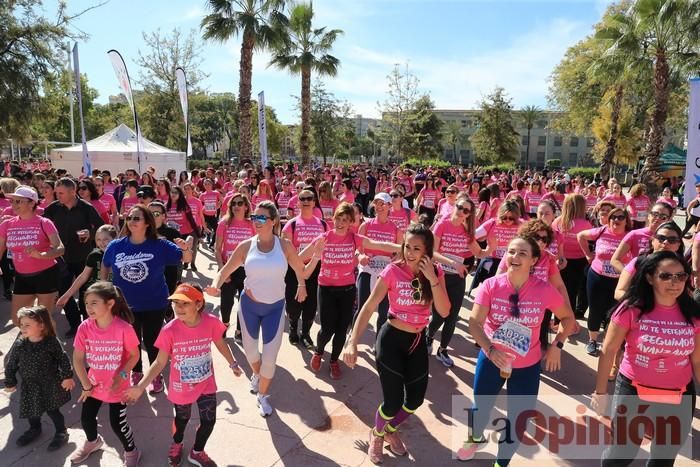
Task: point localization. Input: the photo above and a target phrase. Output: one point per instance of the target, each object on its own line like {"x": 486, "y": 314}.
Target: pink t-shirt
{"x": 532, "y": 201}
{"x": 328, "y": 207}
{"x": 670, "y": 201}
{"x": 381, "y": 232}
{"x": 180, "y": 222}
{"x": 303, "y": 231}
{"x": 128, "y": 203}
{"x": 572, "y": 250}
{"x": 338, "y": 260}
{"x": 638, "y": 240}
{"x": 631, "y": 267}
{"x": 101, "y": 210}
{"x": 258, "y": 198}
{"x": 521, "y": 336}
{"x": 20, "y": 234}
{"x": 401, "y": 218}
{"x": 282, "y": 199}
{"x": 591, "y": 201}
{"x": 557, "y": 239}
{"x": 106, "y": 352}
{"x": 398, "y": 279}
{"x": 196, "y": 207}
{"x": 210, "y": 200}
{"x": 620, "y": 201}
{"x": 109, "y": 203}
{"x": 454, "y": 241}
{"x": 639, "y": 208}
{"x": 109, "y": 188}
{"x": 233, "y": 234}
{"x": 605, "y": 247}
{"x": 545, "y": 268}
{"x": 191, "y": 368}
{"x": 659, "y": 344}
{"x": 501, "y": 232}
{"x": 347, "y": 197}
{"x": 430, "y": 198}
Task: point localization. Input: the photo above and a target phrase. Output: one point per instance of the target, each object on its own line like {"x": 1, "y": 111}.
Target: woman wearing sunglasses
{"x": 506, "y": 319}
{"x": 137, "y": 262}
{"x": 659, "y": 324}
{"x": 336, "y": 291}
{"x": 454, "y": 238}
{"x": 602, "y": 276}
{"x": 447, "y": 204}
{"x": 638, "y": 240}
{"x": 327, "y": 201}
{"x": 88, "y": 192}
{"x": 173, "y": 272}
{"x": 402, "y": 216}
{"x": 282, "y": 198}
{"x": 413, "y": 286}
{"x": 265, "y": 258}
{"x": 427, "y": 199}
{"x": 234, "y": 228}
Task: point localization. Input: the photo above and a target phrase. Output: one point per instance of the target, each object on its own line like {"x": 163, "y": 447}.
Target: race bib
{"x": 513, "y": 336}
{"x": 609, "y": 270}
{"x": 448, "y": 268}
{"x": 500, "y": 252}
{"x": 194, "y": 370}
{"x": 429, "y": 203}
{"x": 302, "y": 246}
{"x": 327, "y": 212}
{"x": 641, "y": 216}
{"x": 377, "y": 264}
{"x": 174, "y": 225}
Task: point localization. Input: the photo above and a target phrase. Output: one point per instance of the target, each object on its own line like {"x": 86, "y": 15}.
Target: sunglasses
{"x": 82, "y": 187}
{"x": 464, "y": 209}
{"x": 238, "y": 203}
{"x": 514, "y": 309}
{"x": 395, "y": 195}
{"x": 305, "y": 199}
{"x": 668, "y": 276}
{"x": 541, "y": 238}
{"x": 259, "y": 218}
{"x": 659, "y": 215}
{"x": 417, "y": 290}
{"x": 156, "y": 213}
{"x": 451, "y": 192}
{"x": 670, "y": 240}
{"x": 508, "y": 218}
{"x": 133, "y": 218}
{"x": 618, "y": 217}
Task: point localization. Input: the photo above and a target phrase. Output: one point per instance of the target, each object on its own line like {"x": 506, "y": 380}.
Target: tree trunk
{"x": 527, "y": 148}
{"x": 657, "y": 130}
{"x": 245, "y": 131}
{"x": 305, "y": 115}
{"x": 611, "y": 144}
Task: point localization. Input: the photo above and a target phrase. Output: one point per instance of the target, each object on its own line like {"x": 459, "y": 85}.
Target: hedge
{"x": 585, "y": 172}
{"x": 439, "y": 163}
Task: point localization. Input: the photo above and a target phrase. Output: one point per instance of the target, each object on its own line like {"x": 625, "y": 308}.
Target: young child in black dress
{"x": 47, "y": 376}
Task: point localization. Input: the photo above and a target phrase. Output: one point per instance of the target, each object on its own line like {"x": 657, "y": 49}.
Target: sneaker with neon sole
{"x": 470, "y": 447}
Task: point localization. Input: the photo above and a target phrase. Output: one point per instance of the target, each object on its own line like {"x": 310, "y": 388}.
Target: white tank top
{"x": 264, "y": 272}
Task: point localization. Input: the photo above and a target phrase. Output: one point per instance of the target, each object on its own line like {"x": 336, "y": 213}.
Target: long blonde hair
{"x": 573, "y": 207}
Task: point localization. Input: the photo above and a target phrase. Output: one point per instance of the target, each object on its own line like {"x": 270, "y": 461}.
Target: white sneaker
{"x": 254, "y": 384}
{"x": 265, "y": 406}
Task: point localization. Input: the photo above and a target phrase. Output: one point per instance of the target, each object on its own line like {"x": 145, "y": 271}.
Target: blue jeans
{"x": 487, "y": 385}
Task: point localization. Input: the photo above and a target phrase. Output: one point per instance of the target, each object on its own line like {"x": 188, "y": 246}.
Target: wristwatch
{"x": 123, "y": 374}
{"x": 559, "y": 344}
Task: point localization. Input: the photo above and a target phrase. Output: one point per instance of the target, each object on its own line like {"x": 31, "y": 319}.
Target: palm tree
{"x": 452, "y": 135}
{"x": 667, "y": 33}
{"x": 259, "y": 22}
{"x": 530, "y": 114}
{"x": 303, "y": 50}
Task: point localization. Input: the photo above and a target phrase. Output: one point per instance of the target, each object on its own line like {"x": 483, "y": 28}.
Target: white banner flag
{"x": 87, "y": 166}
{"x": 124, "y": 82}
{"x": 182, "y": 89}
{"x": 692, "y": 164}
{"x": 262, "y": 128}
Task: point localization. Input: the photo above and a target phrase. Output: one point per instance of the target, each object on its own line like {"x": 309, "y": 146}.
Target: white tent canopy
{"x": 116, "y": 151}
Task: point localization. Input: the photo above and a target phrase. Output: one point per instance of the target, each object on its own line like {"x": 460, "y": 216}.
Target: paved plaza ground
{"x": 317, "y": 421}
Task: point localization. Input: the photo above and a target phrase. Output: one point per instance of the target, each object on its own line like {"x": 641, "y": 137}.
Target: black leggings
{"x": 336, "y": 305}
{"x": 228, "y": 293}
{"x": 487, "y": 268}
{"x": 455, "y": 292}
{"x": 574, "y": 278}
{"x": 147, "y": 325}
{"x": 402, "y": 364}
{"x": 56, "y": 417}
{"x": 363, "y": 292}
{"x": 306, "y": 309}
{"x": 211, "y": 222}
{"x": 207, "y": 418}
{"x": 601, "y": 298}
{"x": 117, "y": 419}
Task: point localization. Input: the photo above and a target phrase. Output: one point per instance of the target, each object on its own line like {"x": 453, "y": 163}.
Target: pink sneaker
{"x": 469, "y": 448}
{"x": 132, "y": 458}
{"x": 88, "y": 447}
{"x": 376, "y": 445}
{"x": 200, "y": 459}
{"x": 175, "y": 455}
{"x": 156, "y": 386}
{"x": 395, "y": 444}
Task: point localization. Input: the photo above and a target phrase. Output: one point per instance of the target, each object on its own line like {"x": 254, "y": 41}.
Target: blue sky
{"x": 459, "y": 49}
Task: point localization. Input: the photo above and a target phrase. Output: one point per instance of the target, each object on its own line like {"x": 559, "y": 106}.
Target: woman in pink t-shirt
{"x": 211, "y": 204}
{"x": 533, "y": 197}
{"x": 263, "y": 192}
{"x": 659, "y": 324}
{"x": 233, "y": 228}
{"x": 33, "y": 243}
{"x": 346, "y": 194}
{"x": 602, "y": 276}
{"x": 447, "y": 204}
{"x": 507, "y": 321}
{"x": 108, "y": 201}
{"x": 474, "y": 190}
{"x": 638, "y": 205}
{"x": 186, "y": 341}
{"x": 616, "y": 196}
{"x": 426, "y": 202}
{"x": 282, "y": 198}
{"x": 163, "y": 190}
{"x": 399, "y": 214}
{"x": 413, "y": 286}
{"x": 667, "y": 198}
{"x": 182, "y": 219}
{"x": 336, "y": 289}
{"x": 327, "y": 201}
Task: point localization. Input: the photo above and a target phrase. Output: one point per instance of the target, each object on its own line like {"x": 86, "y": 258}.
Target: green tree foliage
{"x": 276, "y": 131}
{"x": 425, "y": 129}
{"x": 529, "y": 115}
{"x": 614, "y": 111}
{"x": 495, "y": 139}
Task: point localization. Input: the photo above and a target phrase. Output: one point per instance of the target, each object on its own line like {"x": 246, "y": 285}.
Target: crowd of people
{"x": 339, "y": 244}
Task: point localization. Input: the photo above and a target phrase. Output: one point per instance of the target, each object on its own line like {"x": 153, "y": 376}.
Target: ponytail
{"x": 108, "y": 291}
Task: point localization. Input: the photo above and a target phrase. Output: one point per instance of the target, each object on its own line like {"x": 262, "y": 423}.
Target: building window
{"x": 523, "y": 155}
{"x": 541, "y": 140}
{"x": 557, "y": 141}
{"x": 540, "y": 156}
{"x": 464, "y": 123}
{"x": 573, "y": 158}
{"x": 523, "y": 140}
{"x": 574, "y": 142}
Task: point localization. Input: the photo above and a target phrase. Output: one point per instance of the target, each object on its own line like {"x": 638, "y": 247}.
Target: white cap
{"x": 24, "y": 192}
{"x": 383, "y": 197}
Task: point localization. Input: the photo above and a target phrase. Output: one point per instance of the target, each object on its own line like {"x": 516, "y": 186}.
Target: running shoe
{"x": 254, "y": 384}
{"x": 28, "y": 436}
{"x": 469, "y": 448}
{"x": 136, "y": 377}
{"x": 315, "y": 362}
{"x": 200, "y": 459}
{"x": 592, "y": 348}
{"x": 88, "y": 447}
{"x": 395, "y": 444}
{"x": 307, "y": 342}
{"x": 335, "y": 370}
{"x": 59, "y": 440}
{"x": 293, "y": 338}
{"x": 445, "y": 359}
{"x": 175, "y": 455}
{"x": 264, "y": 405}
{"x": 132, "y": 458}
{"x": 376, "y": 445}
{"x": 156, "y": 386}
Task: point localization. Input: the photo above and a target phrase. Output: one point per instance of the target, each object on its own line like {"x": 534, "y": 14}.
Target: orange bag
{"x": 658, "y": 395}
